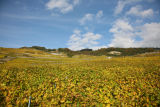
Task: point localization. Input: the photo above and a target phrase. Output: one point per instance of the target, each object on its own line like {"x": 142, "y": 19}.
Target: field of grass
{"x": 79, "y": 81}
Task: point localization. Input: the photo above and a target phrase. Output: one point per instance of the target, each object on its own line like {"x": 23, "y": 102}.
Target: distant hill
{"x": 19, "y": 52}
{"x": 37, "y": 50}
{"x": 103, "y": 51}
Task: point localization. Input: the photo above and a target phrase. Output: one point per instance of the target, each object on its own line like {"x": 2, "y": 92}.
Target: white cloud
{"x": 75, "y": 2}
{"x": 124, "y": 35}
{"x": 150, "y": 35}
{"x": 25, "y": 17}
{"x": 90, "y": 17}
{"x": 122, "y": 3}
{"x": 98, "y": 47}
{"x": 80, "y": 41}
{"x": 87, "y": 17}
{"x": 63, "y": 6}
{"x": 137, "y": 11}
{"x": 121, "y": 25}
{"x": 138, "y": 21}
{"x": 99, "y": 14}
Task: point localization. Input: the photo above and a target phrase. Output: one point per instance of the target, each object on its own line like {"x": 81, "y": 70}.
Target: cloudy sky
{"x": 79, "y": 24}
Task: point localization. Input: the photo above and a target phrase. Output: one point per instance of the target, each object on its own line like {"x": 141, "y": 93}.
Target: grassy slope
{"x": 85, "y": 80}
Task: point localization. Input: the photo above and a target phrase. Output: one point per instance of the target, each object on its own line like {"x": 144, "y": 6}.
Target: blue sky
{"x": 79, "y": 24}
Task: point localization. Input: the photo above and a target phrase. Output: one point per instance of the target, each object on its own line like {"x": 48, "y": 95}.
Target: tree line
{"x": 99, "y": 52}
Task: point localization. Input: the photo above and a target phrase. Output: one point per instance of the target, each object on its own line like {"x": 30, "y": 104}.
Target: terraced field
{"x": 80, "y": 81}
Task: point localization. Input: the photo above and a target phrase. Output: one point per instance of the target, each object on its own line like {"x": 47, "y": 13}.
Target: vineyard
{"x": 79, "y": 81}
